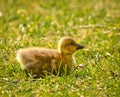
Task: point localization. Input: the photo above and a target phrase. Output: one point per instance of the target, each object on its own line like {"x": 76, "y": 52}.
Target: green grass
{"x": 94, "y": 23}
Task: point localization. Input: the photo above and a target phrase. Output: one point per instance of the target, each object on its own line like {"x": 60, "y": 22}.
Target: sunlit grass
{"x": 96, "y": 24}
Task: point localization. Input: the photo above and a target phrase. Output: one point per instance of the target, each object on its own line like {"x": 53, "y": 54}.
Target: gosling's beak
{"x": 80, "y": 46}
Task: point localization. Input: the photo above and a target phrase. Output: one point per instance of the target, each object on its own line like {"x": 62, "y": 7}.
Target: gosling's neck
{"x": 64, "y": 55}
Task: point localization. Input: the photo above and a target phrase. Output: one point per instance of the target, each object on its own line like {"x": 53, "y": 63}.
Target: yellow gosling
{"x": 42, "y": 61}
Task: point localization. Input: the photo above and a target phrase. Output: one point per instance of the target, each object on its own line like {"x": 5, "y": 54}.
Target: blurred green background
{"x": 94, "y": 23}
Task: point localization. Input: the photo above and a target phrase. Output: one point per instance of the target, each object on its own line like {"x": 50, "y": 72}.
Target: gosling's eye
{"x": 74, "y": 44}
{"x": 71, "y": 44}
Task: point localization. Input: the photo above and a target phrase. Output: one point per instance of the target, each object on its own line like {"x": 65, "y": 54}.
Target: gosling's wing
{"x": 46, "y": 55}
{"x": 40, "y": 55}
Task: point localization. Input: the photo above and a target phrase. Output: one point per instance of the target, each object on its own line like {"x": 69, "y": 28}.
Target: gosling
{"x": 42, "y": 61}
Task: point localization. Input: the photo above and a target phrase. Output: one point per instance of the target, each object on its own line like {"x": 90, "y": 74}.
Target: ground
{"x": 94, "y": 23}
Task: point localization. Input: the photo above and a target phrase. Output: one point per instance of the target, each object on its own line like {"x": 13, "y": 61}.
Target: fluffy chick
{"x": 41, "y": 61}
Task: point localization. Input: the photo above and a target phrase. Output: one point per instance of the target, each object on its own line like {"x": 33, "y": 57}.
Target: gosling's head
{"x": 68, "y": 46}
